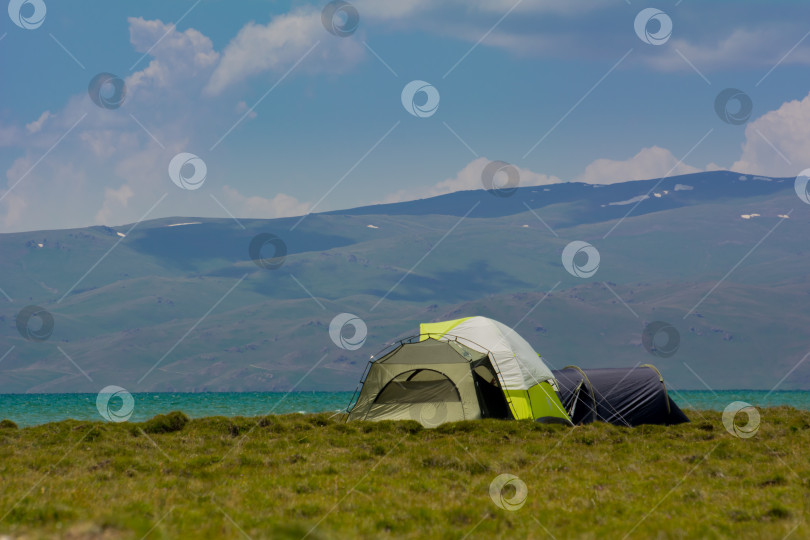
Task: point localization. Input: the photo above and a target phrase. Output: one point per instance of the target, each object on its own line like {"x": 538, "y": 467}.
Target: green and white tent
{"x": 527, "y": 383}
{"x": 460, "y": 370}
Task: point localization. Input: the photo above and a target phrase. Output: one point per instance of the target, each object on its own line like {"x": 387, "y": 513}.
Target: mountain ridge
{"x": 188, "y": 305}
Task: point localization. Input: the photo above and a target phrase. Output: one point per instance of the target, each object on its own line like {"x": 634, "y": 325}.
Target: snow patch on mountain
{"x": 629, "y": 201}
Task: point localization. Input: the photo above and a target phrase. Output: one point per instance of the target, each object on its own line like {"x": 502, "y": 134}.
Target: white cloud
{"x": 112, "y": 165}
{"x": 177, "y": 57}
{"x": 541, "y": 7}
{"x": 391, "y": 9}
{"x": 784, "y": 131}
{"x": 763, "y": 46}
{"x": 16, "y": 207}
{"x": 713, "y": 36}
{"x": 652, "y": 162}
{"x": 469, "y": 178}
{"x": 278, "y": 45}
{"x": 788, "y": 130}
{"x": 242, "y": 107}
{"x": 260, "y": 207}
{"x": 106, "y": 167}
{"x": 42, "y": 194}
{"x": 36, "y": 125}
{"x": 115, "y": 200}
{"x": 9, "y": 135}
{"x": 286, "y": 38}
{"x": 110, "y": 170}
{"x": 409, "y": 9}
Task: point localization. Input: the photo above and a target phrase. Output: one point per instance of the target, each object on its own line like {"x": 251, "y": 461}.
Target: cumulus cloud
{"x": 279, "y": 45}
{"x": 177, "y": 57}
{"x": 286, "y": 39}
{"x": 109, "y": 166}
{"x": 778, "y": 142}
{"x": 260, "y": 207}
{"x": 652, "y": 162}
{"x": 36, "y": 125}
{"x": 115, "y": 200}
{"x": 112, "y": 166}
{"x": 42, "y": 194}
{"x": 16, "y": 210}
{"x": 469, "y": 178}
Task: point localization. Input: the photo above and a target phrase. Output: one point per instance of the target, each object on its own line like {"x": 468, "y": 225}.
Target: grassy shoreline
{"x": 295, "y": 475}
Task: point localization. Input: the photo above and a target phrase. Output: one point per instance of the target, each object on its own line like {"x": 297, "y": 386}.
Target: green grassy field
{"x": 308, "y": 475}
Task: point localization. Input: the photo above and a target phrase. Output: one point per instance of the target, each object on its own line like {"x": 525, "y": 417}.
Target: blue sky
{"x": 608, "y": 106}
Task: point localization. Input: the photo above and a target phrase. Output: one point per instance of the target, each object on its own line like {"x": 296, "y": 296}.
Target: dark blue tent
{"x": 620, "y": 396}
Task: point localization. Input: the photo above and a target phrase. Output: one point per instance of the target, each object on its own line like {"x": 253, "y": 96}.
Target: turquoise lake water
{"x": 34, "y": 409}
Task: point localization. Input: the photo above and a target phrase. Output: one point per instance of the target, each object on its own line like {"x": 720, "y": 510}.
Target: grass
{"x": 293, "y": 475}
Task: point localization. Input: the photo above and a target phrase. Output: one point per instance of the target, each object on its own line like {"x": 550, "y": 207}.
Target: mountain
{"x": 178, "y": 304}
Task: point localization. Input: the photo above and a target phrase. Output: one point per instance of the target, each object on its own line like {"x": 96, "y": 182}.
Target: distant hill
{"x": 183, "y": 293}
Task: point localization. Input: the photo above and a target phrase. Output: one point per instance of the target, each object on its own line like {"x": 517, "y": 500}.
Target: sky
{"x": 263, "y": 109}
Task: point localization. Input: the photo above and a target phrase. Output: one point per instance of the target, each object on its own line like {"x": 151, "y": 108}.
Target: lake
{"x": 34, "y": 409}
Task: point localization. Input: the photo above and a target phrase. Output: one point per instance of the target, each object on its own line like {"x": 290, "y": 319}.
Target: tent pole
{"x": 359, "y": 385}
{"x": 500, "y": 382}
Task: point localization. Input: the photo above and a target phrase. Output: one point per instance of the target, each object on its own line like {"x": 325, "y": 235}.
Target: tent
{"x": 431, "y": 382}
{"x": 479, "y": 368}
{"x": 527, "y": 384}
{"x": 624, "y": 396}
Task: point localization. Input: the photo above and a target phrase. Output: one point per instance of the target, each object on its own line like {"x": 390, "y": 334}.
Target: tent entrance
{"x": 491, "y": 398}
{"x": 426, "y": 395}
{"x": 580, "y": 403}
{"x": 418, "y": 386}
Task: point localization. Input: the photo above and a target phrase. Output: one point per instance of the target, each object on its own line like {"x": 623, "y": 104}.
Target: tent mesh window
{"x": 419, "y": 386}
